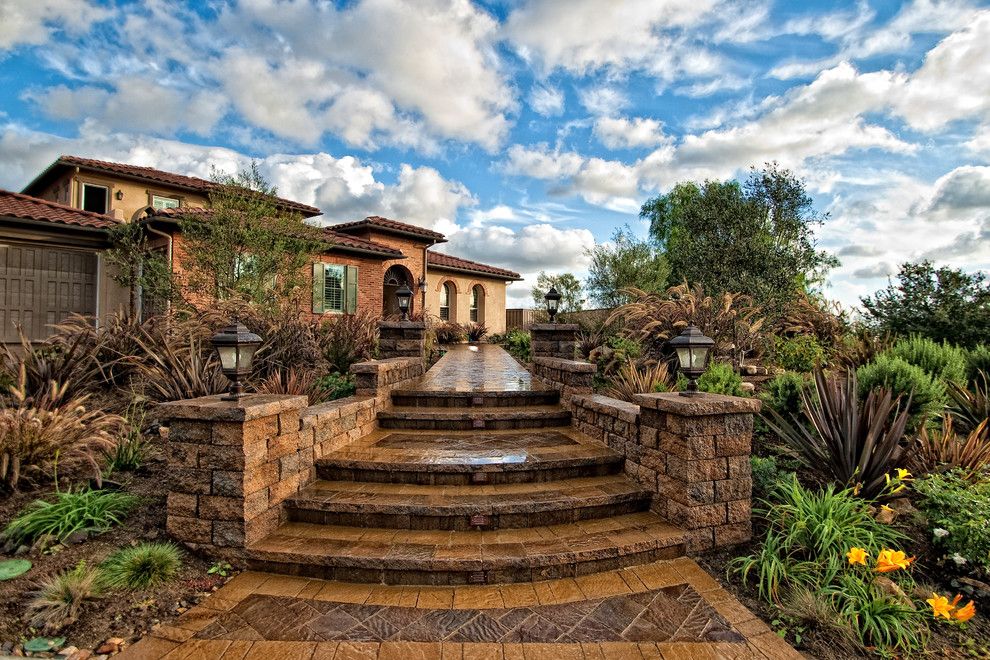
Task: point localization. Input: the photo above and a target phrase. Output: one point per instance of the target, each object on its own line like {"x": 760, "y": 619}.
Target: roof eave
{"x": 491, "y": 276}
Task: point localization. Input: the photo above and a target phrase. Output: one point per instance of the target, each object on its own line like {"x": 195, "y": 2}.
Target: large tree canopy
{"x": 568, "y": 286}
{"x": 755, "y": 238}
{"x": 625, "y": 263}
{"x": 943, "y": 304}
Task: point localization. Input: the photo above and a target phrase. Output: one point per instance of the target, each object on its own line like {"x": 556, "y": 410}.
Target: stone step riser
{"x": 468, "y": 400}
{"x": 466, "y": 423}
{"x": 465, "y": 477}
{"x": 333, "y": 568}
{"x": 428, "y": 520}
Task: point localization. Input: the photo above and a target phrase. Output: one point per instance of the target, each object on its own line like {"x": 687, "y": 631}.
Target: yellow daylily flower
{"x": 892, "y": 560}
{"x": 940, "y": 606}
{"x": 965, "y": 613}
{"x": 856, "y": 556}
{"x": 903, "y": 475}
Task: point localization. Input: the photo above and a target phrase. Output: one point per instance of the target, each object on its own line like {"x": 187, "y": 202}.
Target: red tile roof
{"x": 378, "y": 222}
{"x": 339, "y": 240}
{"x": 445, "y": 261}
{"x": 151, "y": 174}
{"x": 25, "y": 207}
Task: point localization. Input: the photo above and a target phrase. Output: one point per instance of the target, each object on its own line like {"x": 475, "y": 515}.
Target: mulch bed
{"x": 121, "y": 614}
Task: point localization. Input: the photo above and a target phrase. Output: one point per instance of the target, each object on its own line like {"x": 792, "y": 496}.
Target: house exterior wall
{"x": 494, "y": 303}
{"x": 67, "y": 190}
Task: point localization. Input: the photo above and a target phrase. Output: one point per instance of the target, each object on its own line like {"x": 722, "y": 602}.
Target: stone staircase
{"x": 468, "y": 487}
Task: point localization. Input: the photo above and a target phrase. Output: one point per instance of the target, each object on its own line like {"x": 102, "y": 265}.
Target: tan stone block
{"x": 284, "y": 488}
{"x": 222, "y": 457}
{"x": 212, "y": 507}
{"x": 228, "y": 534}
{"x": 262, "y": 525}
{"x": 734, "y": 445}
{"x": 282, "y": 445}
{"x": 739, "y": 511}
{"x": 228, "y": 433}
{"x": 261, "y": 429}
{"x": 189, "y": 530}
{"x": 228, "y": 483}
{"x": 288, "y": 422}
{"x": 259, "y": 477}
{"x": 733, "y": 534}
{"x": 699, "y": 540}
{"x": 182, "y": 454}
{"x": 189, "y": 480}
{"x": 182, "y": 430}
{"x": 733, "y": 489}
{"x": 288, "y": 465}
{"x": 181, "y": 504}
{"x": 739, "y": 466}
{"x": 648, "y": 437}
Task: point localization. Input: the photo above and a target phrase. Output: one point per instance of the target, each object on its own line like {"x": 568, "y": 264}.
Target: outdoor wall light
{"x": 692, "y": 349}
{"x": 119, "y": 195}
{"x": 236, "y": 346}
{"x": 422, "y": 284}
{"x": 553, "y": 303}
{"x": 404, "y": 296}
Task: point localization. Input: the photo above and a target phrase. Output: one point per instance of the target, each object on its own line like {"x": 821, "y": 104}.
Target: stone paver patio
{"x": 477, "y": 368}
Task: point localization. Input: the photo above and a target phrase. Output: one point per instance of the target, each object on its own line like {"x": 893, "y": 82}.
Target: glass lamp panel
{"x": 698, "y": 356}
{"x": 552, "y": 304}
{"x": 228, "y": 357}
{"x": 684, "y": 356}
{"x": 246, "y": 356}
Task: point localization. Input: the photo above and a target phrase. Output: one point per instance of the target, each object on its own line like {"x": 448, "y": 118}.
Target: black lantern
{"x": 422, "y": 284}
{"x": 404, "y": 296}
{"x": 236, "y": 345}
{"x": 692, "y": 349}
{"x": 553, "y": 303}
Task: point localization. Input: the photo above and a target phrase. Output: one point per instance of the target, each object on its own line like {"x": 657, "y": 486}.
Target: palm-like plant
{"x": 632, "y": 379}
{"x": 855, "y": 443}
{"x": 970, "y": 407}
{"x": 944, "y": 450}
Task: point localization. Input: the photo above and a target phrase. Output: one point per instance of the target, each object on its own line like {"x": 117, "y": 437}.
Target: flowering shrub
{"x": 956, "y": 509}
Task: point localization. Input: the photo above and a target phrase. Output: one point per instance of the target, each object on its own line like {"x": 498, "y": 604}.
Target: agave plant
{"x": 970, "y": 407}
{"x": 632, "y": 379}
{"x": 856, "y": 443}
{"x": 945, "y": 450}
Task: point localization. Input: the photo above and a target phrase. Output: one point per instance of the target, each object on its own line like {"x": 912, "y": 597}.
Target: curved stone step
{"x": 440, "y": 557}
{"x": 503, "y": 506}
{"x": 440, "y": 399}
{"x": 480, "y": 418}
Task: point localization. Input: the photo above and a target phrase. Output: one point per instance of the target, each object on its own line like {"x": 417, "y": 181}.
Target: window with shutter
{"x": 445, "y": 303}
{"x": 318, "y": 283}
{"x": 352, "y": 289}
{"x": 334, "y": 290}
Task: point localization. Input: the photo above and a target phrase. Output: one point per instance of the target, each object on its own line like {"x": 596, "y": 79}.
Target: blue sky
{"x": 526, "y": 130}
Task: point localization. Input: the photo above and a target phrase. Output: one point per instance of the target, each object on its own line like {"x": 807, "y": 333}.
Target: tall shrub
{"x": 942, "y": 361}
{"x": 924, "y": 395}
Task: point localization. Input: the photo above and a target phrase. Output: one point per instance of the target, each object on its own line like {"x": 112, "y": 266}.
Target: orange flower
{"x": 940, "y": 606}
{"x": 892, "y": 560}
{"x": 964, "y": 613}
{"x": 856, "y": 556}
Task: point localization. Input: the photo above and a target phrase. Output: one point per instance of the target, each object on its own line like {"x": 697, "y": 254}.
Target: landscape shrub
{"x": 337, "y": 386}
{"x": 175, "y": 368}
{"x": 132, "y": 449}
{"x": 848, "y": 440}
{"x": 801, "y": 353}
{"x": 959, "y": 507}
{"x": 766, "y": 475}
{"x": 475, "y": 331}
{"x": 141, "y": 566}
{"x": 634, "y": 378}
{"x": 516, "y": 341}
{"x": 719, "y": 378}
{"x": 59, "y": 598}
{"x": 942, "y": 361}
{"x": 449, "y": 332}
{"x": 927, "y": 394}
{"x": 38, "y": 432}
{"x": 346, "y": 339}
{"x": 970, "y": 406}
{"x": 942, "y": 449}
{"x": 860, "y": 347}
{"x": 977, "y": 362}
{"x": 782, "y": 394}
{"x": 85, "y": 510}
{"x": 299, "y": 382}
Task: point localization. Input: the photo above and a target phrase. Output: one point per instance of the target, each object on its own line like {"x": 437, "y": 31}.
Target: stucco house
{"x": 53, "y": 235}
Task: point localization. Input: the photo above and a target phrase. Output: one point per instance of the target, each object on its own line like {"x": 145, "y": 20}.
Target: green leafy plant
{"x": 346, "y": 339}
{"x": 516, "y": 341}
{"x": 337, "y": 386}
{"x": 141, "y": 566}
{"x": 220, "y": 568}
{"x": 926, "y": 395}
{"x": 942, "y": 361}
{"x": 767, "y": 474}
{"x": 83, "y": 511}
{"x": 783, "y": 394}
{"x": 178, "y": 369}
{"x": 132, "y": 449}
{"x": 958, "y": 506}
{"x": 632, "y": 379}
{"x": 970, "y": 406}
{"x": 977, "y": 362}
{"x": 59, "y": 598}
{"x": 852, "y": 442}
{"x": 475, "y": 331}
{"x": 719, "y": 378}
{"x": 801, "y": 353}
{"x": 879, "y": 620}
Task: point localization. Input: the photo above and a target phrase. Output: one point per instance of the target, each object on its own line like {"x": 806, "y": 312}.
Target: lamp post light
{"x": 692, "y": 349}
{"x": 404, "y": 296}
{"x": 236, "y": 346}
{"x": 553, "y": 303}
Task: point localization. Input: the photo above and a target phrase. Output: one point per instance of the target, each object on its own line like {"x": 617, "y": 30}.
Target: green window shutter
{"x": 352, "y": 289}
{"x": 318, "y": 284}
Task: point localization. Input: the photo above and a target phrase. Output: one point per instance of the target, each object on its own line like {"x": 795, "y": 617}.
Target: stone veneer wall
{"x": 231, "y": 464}
{"x": 691, "y": 452}
{"x": 401, "y": 339}
{"x": 569, "y": 377}
{"x": 555, "y": 340}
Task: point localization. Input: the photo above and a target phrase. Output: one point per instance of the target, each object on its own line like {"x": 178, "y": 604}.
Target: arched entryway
{"x": 395, "y": 277}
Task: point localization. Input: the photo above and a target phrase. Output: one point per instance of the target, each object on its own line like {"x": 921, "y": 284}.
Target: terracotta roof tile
{"x": 25, "y": 207}
{"x": 151, "y": 174}
{"x": 339, "y": 240}
{"x": 440, "y": 260}
{"x": 375, "y": 221}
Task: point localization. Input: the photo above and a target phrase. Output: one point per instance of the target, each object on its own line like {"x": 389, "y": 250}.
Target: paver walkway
{"x": 474, "y": 476}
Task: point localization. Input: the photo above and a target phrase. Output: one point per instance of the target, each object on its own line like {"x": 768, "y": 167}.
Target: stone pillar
{"x": 401, "y": 339}
{"x": 699, "y": 447}
{"x": 555, "y": 340}
{"x": 230, "y": 466}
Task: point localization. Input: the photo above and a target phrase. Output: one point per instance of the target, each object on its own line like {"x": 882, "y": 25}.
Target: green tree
{"x": 943, "y": 304}
{"x": 625, "y": 262}
{"x": 568, "y": 286}
{"x": 755, "y": 237}
{"x": 247, "y": 246}
{"x": 137, "y": 266}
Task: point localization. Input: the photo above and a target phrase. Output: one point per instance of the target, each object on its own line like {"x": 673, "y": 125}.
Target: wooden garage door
{"x": 40, "y": 286}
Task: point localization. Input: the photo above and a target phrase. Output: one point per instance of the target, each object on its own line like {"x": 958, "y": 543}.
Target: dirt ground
{"x": 124, "y": 614}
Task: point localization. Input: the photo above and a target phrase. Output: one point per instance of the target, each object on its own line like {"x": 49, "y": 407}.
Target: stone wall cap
{"x": 545, "y": 327}
{"x": 250, "y": 406}
{"x": 578, "y": 366}
{"x": 608, "y": 405}
{"x": 403, "y": 325}
{"x": 696, "y": 406}
{"x": 357, "y": 402}
{"x": 385, "y": 364}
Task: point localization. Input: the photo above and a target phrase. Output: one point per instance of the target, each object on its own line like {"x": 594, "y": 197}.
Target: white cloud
{"x": 547, "y": 101}
{"x": 964, "y": 189}
{"x": 527, "y": 249}
{"x": 32, "y": 22}
{"x": 622, "y": 133}
{"x": 603, "y": 101}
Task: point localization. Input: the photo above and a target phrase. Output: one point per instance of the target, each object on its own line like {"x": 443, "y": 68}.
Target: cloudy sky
{"x": 528, "y": 129}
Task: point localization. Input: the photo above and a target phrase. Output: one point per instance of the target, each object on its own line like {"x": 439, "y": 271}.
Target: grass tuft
{"x": 82, "y": 511}
{"x": 58, "y": 599}
{"x": 142, "y": 566}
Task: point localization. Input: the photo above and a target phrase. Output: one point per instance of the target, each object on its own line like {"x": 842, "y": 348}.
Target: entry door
{"x": 42, "y": 286}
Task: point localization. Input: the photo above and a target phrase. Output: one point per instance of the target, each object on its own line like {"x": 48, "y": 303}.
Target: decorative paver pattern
{"x": 475, "y": 441}
{"x": 477, "y": 368}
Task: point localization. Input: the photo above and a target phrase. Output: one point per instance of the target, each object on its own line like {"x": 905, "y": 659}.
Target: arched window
{"x": 445, "y": 302}
{"x": 477, "y": 304}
